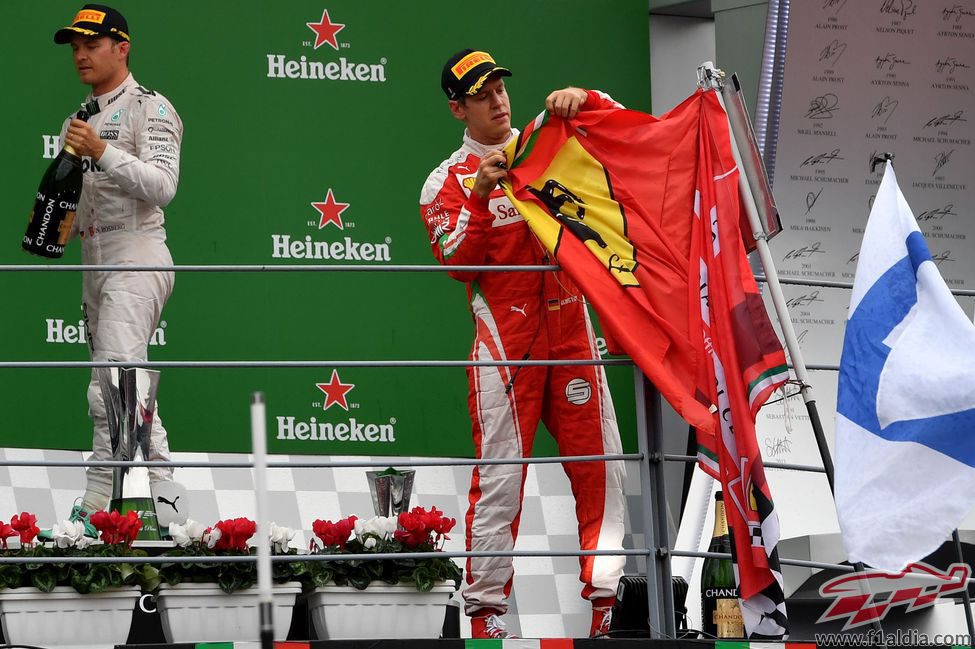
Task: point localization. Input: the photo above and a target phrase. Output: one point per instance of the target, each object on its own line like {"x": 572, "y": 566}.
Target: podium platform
{"x": 544, "y": 643}
{"x": 521, "y": 643}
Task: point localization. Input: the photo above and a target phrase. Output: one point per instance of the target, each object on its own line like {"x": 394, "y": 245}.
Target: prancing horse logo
{"x": 574, "y": 202}
{"x": 557, "y": 207}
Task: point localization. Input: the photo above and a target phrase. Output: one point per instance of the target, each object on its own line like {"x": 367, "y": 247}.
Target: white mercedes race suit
{"x": 120, "y": 222}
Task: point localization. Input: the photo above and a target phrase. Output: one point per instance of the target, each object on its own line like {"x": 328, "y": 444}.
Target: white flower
{"x": 195, "y": 529}
{"x": 67, "y": 534}
{"x": 179, "y": 535}
{"x": 369, "y": 543}
{"x": 280, "y": 538}
{"x": 211, "y": 537}
{"x": 186, "y": 535}
{"x": 390, "y": 525}
{"x": 381, "y": 526}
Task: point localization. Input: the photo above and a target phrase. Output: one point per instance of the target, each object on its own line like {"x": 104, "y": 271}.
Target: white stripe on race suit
{"x": 457, "y": 236}
{"x": 500, "y": 484}
{"x": 607, "y": 570}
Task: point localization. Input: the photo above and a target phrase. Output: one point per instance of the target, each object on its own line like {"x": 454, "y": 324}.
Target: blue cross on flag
{"x": 905, "y": 420}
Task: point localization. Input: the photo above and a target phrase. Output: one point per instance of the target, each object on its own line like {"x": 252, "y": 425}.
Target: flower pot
{"x": 379, "y": 611}
{"x": 204, "y": 613}
{"x": 56, "y": 619}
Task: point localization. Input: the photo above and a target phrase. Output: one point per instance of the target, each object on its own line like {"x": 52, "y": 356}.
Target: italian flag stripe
{"x": 522, "y": 643}
{"x": 708, "y": 453}
{"x": 483, "y": 644}
{"x": 545, "y": 643}
{"x": 718, "y": 644}
{"x": 557, "y": 643}
{"x": 526, "y": 141}
{"x": 765, "y": 380}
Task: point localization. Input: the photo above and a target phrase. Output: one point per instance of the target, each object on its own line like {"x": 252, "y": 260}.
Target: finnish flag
{"x": 905, "y": 420}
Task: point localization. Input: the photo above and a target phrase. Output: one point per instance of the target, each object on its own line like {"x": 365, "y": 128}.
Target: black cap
{"x": 466, "y": 71}
{"x": 95, "y": 20}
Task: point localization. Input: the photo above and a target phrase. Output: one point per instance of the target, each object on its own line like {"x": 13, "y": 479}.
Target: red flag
{"x": 611, "y": 194}
{"x": 643, "y": 214}
{"x": 747, "y": 363}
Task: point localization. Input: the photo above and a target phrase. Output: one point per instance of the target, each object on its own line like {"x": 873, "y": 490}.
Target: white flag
{"x": 905, "y": 420}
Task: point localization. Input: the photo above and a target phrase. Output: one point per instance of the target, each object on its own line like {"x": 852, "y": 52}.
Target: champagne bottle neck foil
{"x": 720, "y": 520}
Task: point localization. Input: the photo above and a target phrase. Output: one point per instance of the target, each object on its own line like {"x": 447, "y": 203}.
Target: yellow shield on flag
{"x": 577, "y": 196}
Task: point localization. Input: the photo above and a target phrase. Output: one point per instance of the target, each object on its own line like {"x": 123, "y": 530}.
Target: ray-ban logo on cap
{"x": 89, "y": 16}
{"x": 469, "y": 62}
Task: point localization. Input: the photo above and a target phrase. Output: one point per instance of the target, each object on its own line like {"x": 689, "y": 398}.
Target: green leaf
{"x": 374, "y": 569}
{"x": 298, "y": 569}
{"x": 148, "y": 578}
{"x": 227, "y": 582}
{"x": 423, "y": 578}
{"x": 171, "y": 574}
{"x": 11, "y": 575}
{"x": 360, "y": 580}
{"x": 95, "y": 580}
{"x": 44, "y": 580}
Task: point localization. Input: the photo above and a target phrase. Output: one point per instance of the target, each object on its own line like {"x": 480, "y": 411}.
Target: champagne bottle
{"x": 721, "y": 614}
{"x": 56, "y": 202}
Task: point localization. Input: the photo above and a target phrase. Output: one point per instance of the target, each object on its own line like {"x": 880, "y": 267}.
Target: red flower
{"x": 106, "y": 525}
{"x": 128, "y": 528}
{"x": 334, "y": 534}
{"x": 5, "y": 533}
{"x": 415, "y": 528}
{"x": 234, "y": 533}
{"x": 418, "y": 525}
{"x": 26, "y": 525}
{"x": 116, "y": 529}
{"x": 443, "y": 525}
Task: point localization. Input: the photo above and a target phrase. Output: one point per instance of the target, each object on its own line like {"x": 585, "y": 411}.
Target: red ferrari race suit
{"x": 524, "y": 315}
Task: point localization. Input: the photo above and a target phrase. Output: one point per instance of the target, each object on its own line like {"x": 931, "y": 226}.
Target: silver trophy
{"x": 130, "y": 405}
{"x": 391, "y": 490}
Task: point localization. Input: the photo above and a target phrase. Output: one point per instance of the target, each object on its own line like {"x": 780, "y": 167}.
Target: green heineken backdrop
{"x": 273, "y": 125}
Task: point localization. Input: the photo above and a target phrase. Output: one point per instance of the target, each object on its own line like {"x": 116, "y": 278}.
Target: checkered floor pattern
{"x": 298, "y": 496}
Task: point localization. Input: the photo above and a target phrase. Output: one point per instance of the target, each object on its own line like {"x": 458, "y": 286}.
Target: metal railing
{"x": 657, "y": 552}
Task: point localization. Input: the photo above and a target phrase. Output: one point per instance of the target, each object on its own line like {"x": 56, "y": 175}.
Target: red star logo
{"x": 335, "y": 391}
{"x": 325, "y": 31}
{"x": 331, "y": 211}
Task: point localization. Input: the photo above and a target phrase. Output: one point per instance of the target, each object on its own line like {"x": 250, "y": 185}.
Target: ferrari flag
{"x": 643, "y": 214}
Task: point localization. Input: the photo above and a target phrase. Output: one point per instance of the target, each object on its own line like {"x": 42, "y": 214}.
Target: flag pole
{"x": 265, "y": 600}
{"x": 965, "y": 597}
{"x": 710, "y": 78}
{"x": 964, "y": 594}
